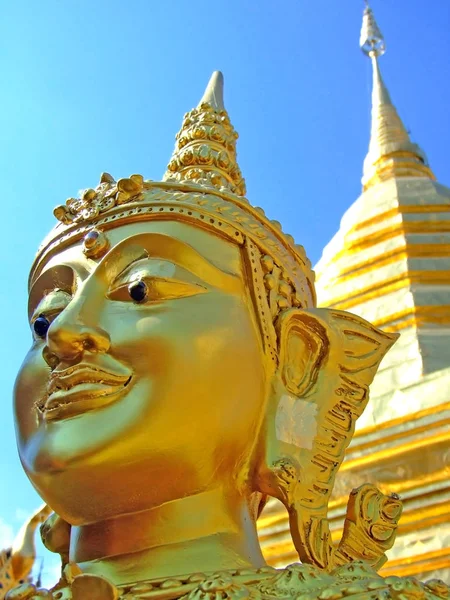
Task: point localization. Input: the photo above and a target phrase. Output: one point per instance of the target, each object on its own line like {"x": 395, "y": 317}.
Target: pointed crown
{"x": 205, "y": 150}
{"x": 204, "y": 186}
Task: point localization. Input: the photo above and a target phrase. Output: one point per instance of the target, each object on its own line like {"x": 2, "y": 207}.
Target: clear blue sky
{"x": 92, "y": 86}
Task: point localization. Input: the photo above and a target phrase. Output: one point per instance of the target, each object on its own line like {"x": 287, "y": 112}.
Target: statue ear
{"x": 327, "y": 360}
{"x": 337, "y": 341}
{"x": 303, "y": 348}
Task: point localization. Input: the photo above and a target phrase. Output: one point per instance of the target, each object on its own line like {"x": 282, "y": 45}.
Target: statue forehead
{"x": 222, "y": 253}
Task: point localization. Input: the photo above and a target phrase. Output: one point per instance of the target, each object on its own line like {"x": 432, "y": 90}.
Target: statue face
{"x": 149, "y": 377}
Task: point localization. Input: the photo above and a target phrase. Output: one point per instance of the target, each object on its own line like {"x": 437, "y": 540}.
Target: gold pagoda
{"x": 390, "y": 263}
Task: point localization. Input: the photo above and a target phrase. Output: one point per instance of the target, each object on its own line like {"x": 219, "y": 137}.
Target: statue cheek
{"x": 30, "y": 387}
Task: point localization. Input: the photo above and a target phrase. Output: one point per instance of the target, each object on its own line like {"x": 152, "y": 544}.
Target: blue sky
{"x": 102, "y": 86}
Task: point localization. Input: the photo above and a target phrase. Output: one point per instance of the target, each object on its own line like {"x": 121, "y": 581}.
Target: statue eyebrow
{"x": 59, "y": 277}
{"x": 164, "y": 247}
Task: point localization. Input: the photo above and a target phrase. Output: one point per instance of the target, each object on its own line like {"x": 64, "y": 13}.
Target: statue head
{"x": 177, "y": 347}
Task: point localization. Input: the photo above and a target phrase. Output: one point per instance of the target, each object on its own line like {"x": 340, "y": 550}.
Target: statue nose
{"x": 68, "y": 340}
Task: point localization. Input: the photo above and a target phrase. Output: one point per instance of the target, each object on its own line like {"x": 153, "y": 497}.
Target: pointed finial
{"x": 214, "y": 92}
{"x": 205, "y": 149}
{"x": 391, "y": 152}
{"x": 371, "y": 40}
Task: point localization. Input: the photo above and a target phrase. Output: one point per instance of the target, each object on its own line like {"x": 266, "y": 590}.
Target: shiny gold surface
{"x": 437, "y": 514}
{"x": 400, "y": 210}
{"x": 391, "y": 152}
{"x": 403, "y": 567}
{"x": 205, "y": 150}
{"x": 412, "y": 416}
{"x": 422, "y": 563}
{"x": 390, "y": 285}
{"x": 368, "y": 241}
{"x": 399, "y": 254}
{"x": 186, "y": 376}
{"x": 415, "y": 316}
{"x": 389, "y": 263}
{"x": 375, "y": 457}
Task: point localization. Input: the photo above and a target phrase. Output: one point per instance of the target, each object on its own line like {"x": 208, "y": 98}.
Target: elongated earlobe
{"x": 328, "y": 359}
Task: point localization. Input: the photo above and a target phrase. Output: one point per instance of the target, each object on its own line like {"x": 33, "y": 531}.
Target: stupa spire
{"x": 391, "y": 152}
{"x": 205, "y": 149}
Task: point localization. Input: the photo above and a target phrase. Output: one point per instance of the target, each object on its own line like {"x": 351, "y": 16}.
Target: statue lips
{"x": 80, "y": 388}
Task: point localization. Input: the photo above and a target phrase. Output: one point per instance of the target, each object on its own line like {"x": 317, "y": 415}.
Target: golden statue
{"x": 180, "y": 375}
{"x": 17, "y": 562}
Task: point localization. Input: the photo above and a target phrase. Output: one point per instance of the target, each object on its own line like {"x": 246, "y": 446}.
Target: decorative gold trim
{"x": 415, "y": 323}
{"x": 396, "y": 165}
{"x": 400, "y": 210}
{"x": 427, "y": 517}
{"x": 437, "y": 513}
{"x": 403, "y": 253}
{"x": 322, "y": 332}
{"x": 400, "y": 567}
{"x": 112, "y": 204}
{"x": 173, "y": 588}
{"x": 408, "y": 418}
{"x": 418, "y": 315}
{"x": 388, "y": 233}
{"x": 420, "y": 563}
{"x": 205, "y": 149}
{"x": 375, "y": 457}
{"x": 277, "y": 518}
{"x": 410, "y": 521}
{"x": 389, "y": 286}
{"x": 397, "y": 436}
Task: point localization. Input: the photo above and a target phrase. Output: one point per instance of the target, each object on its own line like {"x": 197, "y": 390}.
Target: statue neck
{"x": 201, "y": 533}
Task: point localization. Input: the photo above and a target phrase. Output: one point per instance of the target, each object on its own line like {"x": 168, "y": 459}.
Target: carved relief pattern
{"x": 104, "y": 197}
{"x": 370, "y": 525}
{"x": 353, "y": 349}
{"x": 302, "y": 582}
{"x": 289, "y": 283}
{"x": 205, "y": 151}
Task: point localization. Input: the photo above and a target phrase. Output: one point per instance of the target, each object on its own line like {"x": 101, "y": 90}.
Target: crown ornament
{"x": 105, "y": 196}
{"x": 205, "y": 150}
{"x": 203, "y": 185}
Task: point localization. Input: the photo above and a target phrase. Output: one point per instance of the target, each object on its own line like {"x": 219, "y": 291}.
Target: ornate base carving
{"x": 304, "y": 582}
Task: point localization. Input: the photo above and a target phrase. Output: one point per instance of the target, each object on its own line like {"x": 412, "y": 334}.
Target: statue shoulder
{"x": 298, "y": 581}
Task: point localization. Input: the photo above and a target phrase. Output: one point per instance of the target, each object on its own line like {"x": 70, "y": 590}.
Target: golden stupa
{"x": 180, "y": 376}
{"x": 389, "y": 263}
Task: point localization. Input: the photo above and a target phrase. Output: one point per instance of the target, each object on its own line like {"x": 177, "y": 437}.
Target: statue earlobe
{"x": 302, "y": 349}
{"x": 328, "y": 358}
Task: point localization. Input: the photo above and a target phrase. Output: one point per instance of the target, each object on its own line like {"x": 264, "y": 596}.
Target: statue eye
{"x": 138, "y": 291}
{"x": 147, "y": 289}
{"x": 41, "y": 325}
